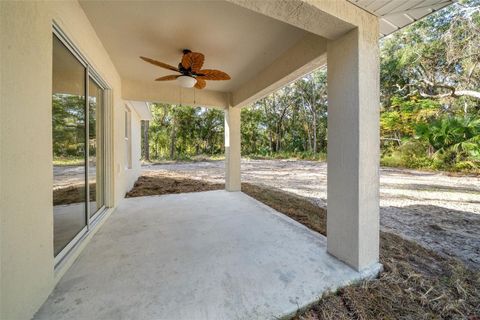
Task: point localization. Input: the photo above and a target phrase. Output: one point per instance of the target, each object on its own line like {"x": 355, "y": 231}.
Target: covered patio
{"x": 264, "y": 45}
{"x": 231, "y": 257}
{"x": 206, "y": 255}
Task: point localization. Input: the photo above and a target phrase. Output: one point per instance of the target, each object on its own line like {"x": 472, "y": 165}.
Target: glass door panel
{"x": 69, "y": 145}
{"x": 96, "y": 159}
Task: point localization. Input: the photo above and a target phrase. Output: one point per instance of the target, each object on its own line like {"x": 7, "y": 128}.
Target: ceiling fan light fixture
{"x": 186, "y": 81}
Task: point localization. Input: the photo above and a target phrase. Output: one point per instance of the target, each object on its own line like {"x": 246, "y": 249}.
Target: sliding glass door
{"x": 78, "y": 143}
{"x": 68, "y": 129}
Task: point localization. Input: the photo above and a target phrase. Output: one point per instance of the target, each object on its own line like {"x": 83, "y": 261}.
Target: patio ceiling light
{"x": 186, "y": 81}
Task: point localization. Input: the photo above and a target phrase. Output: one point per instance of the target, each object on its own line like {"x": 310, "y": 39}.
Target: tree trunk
{"x": 272, "y": 145}
{"x": 277, "y": 140}
{"x": 173, "y": 138}
{"x": 146, "y": 145}
{"x": 314, "y": 127}
{"x": 309, "y": 137}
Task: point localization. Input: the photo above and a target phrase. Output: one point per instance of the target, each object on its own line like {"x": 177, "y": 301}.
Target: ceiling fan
{"x": 190, "y": 69}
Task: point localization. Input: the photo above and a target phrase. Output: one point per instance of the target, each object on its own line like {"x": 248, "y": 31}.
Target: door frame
{"x": 91, "y": 222}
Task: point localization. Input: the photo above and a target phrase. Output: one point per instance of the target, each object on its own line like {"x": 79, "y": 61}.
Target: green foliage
{"x": 305, "y": 155}
{"x": 290, "y": 123}
{"x": 448, "y": 143}
{"x": 253, "y": 131}
{"x": 401, "y": 118}
{"x": 182, "y": 132}
{"x": 453, "y": 140}
{"x": 292, "y": 120}
{"x": 424, "y": 125}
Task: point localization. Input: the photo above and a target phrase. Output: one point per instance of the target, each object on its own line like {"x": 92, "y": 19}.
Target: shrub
{"x": 392, "y": 160}
{"x": 413, "y": 149}
{"x": 465, "y": 166}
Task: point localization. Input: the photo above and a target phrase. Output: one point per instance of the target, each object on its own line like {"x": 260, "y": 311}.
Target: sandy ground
{"x": 439, "y": 211}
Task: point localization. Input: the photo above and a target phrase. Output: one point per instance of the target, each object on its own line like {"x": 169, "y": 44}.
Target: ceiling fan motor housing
{"x": 181, "y": 68}
{"x": 185, "y": 72}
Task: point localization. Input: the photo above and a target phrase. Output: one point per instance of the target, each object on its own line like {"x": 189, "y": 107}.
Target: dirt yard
{"x": 438, "y": 211}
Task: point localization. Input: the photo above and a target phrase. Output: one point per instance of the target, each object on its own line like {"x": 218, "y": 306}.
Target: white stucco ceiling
{"x": 396, "y": 14}
{"x": 235, "y": 40}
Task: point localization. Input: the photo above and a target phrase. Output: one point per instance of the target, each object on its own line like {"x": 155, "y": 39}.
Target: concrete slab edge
{"x": 369, "y": 273}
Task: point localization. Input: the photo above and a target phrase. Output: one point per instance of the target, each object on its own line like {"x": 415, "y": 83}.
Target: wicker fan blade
{"x": 166, "y": 78}
{"x": 193, "y": 60}
{"x": 200, "y": 84}
{"x": 209, "y": 74}
{"x": 159, "y": 64}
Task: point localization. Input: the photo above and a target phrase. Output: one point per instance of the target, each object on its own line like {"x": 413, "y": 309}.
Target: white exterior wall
{"x": 132, "y": 174}
{"x": 26, "y": 178}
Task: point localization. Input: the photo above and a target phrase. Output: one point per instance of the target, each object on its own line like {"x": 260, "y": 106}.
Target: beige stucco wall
{"x": 232, "y": 149}
{"x": 132, "y": 174}
{"x": 25, "y": 161}
{"x": 26, "y": 212}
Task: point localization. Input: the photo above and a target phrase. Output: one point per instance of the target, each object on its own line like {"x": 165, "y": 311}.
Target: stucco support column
{"x": 232, "y": 149}
{"x": 353, "y": 148}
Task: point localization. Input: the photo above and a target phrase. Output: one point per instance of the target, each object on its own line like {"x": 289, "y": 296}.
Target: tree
{"x": 275, "y": 107}
{"x": 436, "y": 58}
{"x": 68, "y": 125}
{"x": 312, "y": 95}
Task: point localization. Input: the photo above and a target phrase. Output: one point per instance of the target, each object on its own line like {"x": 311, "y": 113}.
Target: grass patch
{"x": 416, "y": 282}
{"x": 424, "y": 163}
{"x": 198, "y": 158}
{"x": 60, "y": 161}
{"x": 319, "y": 156}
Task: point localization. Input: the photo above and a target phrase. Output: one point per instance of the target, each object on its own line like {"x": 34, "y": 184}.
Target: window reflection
{"x": 69, "y": 147}
{"x": 78, "y": 140}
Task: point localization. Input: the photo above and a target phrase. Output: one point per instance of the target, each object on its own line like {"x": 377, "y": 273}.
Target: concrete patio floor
{"x": 206, "y": 255}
